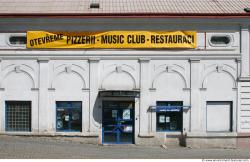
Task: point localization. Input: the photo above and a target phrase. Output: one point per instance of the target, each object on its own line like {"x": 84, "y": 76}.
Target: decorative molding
{"x": 34, "y": 89}
{"x": 238, "y": 60}
{"x": 115, "y": 71}
{"x": 12, "y": 68}
{"x": 43, "y": 60}
{"x": 144, "y": 60}
{"x": 215, "y": 68}
{"x": 244, "y": 79}
{"x": 85, "y": 89}
{"x": 94, "y": 60}
{"x": 235, "y": 88}
{"x": 169, "y": 69}
{"x": 152, "y": 89}
{"x": 17, "y": 69}
{"x": 219, "y": 69}
{"x": 194, "y": 60}
{"x": 118, "y": 69}
{"x": 203, "y": 89}
{"x": 182, "y": 76}
{"x": 68, "y": 69}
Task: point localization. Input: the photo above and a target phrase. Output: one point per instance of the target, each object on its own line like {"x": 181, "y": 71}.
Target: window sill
{"x": 170, "y": 132}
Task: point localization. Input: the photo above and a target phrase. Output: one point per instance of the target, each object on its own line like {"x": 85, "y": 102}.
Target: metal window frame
{"x": 70, "y": 107}
{"x": 30, "y": 113}
{"x": 167, "y": 109}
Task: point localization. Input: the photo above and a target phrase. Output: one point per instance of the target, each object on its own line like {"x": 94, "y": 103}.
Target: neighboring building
{"x": 196, "y": 97}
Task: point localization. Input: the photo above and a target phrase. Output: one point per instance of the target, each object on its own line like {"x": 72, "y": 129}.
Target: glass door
{"x": 118, "y": 122}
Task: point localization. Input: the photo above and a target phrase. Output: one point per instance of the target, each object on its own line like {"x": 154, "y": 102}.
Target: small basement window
{"x": 17, "y": 40}
{"x": 220, "y": 40}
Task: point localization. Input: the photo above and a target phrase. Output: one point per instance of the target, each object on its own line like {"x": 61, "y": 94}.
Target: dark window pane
{"x": 110, "y": 137}
{"x": 69, "y": 116}
{"x": 18, "y": 40}
{"x": 169, "y": 121}
{"x": 220, "y": 40}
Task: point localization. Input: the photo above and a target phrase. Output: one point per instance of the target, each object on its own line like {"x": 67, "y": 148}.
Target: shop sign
{"x": 112, "y": 39}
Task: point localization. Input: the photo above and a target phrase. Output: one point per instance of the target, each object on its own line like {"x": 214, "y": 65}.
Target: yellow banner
{"x": 112, "y": 39}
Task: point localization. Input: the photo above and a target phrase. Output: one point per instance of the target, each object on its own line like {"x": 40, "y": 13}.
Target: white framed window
{"x": 220, "y": 40}
{"x": 228, "y": 41}
{"x": 219, "y": 116}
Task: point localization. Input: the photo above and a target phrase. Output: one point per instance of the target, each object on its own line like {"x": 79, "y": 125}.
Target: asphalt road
{"x": 13, "y": 147}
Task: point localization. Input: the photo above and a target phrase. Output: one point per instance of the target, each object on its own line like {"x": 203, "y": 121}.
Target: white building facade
{"x": 191, "y": 97}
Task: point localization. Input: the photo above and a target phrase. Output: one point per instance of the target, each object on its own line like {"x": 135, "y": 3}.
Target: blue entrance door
{"x": 118, "y": 122}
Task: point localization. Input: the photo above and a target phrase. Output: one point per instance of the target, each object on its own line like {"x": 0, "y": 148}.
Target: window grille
{"x": 18, "y": 116}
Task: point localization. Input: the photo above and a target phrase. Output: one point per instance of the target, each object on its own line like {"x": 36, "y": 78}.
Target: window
{"x": 69, "y": 116}
{"x": 18, "y": 116}
{"x": 17, "y": 40}
{"x": 220, "y": 40}
{"x": 169, "y": 119}
{"x": 219, "y": 116}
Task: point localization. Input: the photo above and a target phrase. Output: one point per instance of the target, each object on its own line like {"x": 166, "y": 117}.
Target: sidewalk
{"x": 48, "y": 147}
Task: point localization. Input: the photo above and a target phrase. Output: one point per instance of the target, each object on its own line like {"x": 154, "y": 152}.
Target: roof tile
{"x": 124, "y": 6}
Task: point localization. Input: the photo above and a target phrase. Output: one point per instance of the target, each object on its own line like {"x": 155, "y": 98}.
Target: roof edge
{"x": 125, "y": 15}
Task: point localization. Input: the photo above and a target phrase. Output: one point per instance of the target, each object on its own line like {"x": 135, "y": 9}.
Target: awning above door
{"x": 168, "y": 108}
{"x": 119, "y": 93}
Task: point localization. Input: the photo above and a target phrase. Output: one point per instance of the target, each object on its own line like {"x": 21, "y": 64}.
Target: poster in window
{"x": 75, "y": 116}
{"x": 128, "y": 128}
{"x": 162, "y": 119}
{"x": 173, "y": 126}
{"x": 126, "y": 114}
{"x": 66, "y": 118}
{"x": 167, "y": 119}
{"x": 114, "y": 113}
{"x": 59, "y": 124}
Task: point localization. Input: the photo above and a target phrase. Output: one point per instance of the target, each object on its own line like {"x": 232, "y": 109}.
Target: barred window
{"x": 18, "y": 116}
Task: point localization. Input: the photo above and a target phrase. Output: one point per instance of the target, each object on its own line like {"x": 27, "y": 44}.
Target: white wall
{"x": 193, "y": 76}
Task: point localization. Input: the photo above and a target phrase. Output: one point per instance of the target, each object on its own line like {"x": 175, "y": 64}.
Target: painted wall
{"x": 208, "y": 73}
